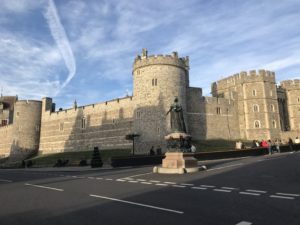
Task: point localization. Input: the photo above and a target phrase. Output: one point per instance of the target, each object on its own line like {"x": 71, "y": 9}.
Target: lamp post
{"x": 131, "y": 137}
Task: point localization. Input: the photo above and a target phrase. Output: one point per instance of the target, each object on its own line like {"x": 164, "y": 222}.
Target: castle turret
{"x": 292, "y": 90}
{"x": 26, "y": 127}
{"x": 157, "y": 80}
{"x": 257, "y": 102}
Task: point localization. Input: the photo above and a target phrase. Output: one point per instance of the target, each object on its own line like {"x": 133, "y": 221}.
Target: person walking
{"x": 290, "y": 142}
{"x": 277, "y": 145}
{"x": 270, "y": 147}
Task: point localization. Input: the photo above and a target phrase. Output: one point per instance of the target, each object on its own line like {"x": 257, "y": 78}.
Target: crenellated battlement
{"x": 247, "y": 77}
{"x": 145, "y": 60}
{"x": 290, "y": 84}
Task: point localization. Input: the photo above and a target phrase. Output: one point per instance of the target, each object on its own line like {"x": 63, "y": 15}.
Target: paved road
{"x": 255, "y": 190}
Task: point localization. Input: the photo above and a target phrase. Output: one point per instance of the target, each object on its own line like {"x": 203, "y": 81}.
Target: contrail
{"x": 61, "y": 40}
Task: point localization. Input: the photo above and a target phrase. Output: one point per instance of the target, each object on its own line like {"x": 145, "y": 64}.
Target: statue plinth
{"x": 177, "y": 161}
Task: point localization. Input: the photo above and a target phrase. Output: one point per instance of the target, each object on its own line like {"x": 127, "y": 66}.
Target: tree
{"x": 96, "y": 158}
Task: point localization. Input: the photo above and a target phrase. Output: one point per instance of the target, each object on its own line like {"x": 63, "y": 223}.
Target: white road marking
{"x": 249, "y": 193}
{"x": 161, "y": 184}
{"x": 222, "y": 190}
{"x": 154, "y": 181}
{"x": 244, "y": 223}
{"x": 208, "y": 186}
{"x": 257, "y": 191}
{"x": 74, "y": 176}
{"x": 137, "y": 175}
{"x": 200, "y": 188}
{"x": 284, "y": 197}
{"x": 133, "y": 181}
{"x": 179, "y": 186}
{"x": 187, "y": 184}
{"x": 140, "y": 179}
{"x": 145, "y": 183}
{"x": 120, "y": 180}
{"x": 109, "y": 179}
{"x": 138, "y": 204}
{"x": 45, "y": 187}
{"x": 3, "y": 180}
{"x": 229, "y": 188}
{"x": 287, "y": 194}
{"x": 169, "y": 182}
{"x": 99, "y": 178}
{"x": 224, "y": 167}
{"x": 91, "y": 177}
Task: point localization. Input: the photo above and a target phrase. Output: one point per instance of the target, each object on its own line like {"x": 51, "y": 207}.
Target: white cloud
{"x": 61, "y": 39}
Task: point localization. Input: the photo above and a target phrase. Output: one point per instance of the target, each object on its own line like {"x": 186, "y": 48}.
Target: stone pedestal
{"x": 178, "y": 163}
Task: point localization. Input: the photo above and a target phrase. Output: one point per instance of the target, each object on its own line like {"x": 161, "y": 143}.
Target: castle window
{"x": 298, "y": 99}
{"x": 256, "y": 124}
{"x": 4, "y": 122}
{"x": 158, "y": 131}
{"x": 37, "y": 128}
{"x": 83, "y": 123}
{"x": 218, "y": 110}
{"x": 138, "y": 72}
{"x": 272, "y": 108}
{"x": 254, "y": 92}
{"x": 61, "y": 126}
{"x": 154, "y": 82}
{"x": 255, "y": 108}
{"x": 273, "y": 123}
{"x": 18, "y": 114}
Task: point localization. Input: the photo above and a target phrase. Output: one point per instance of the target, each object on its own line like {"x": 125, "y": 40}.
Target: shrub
{"x": 96, "y": 158}
{"x": 83, "y": 162}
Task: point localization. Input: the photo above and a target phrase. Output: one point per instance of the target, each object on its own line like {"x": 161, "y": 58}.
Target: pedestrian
{"x": 158, "y": 150}
{"x": 277, "y": 145}
{"x": 193, "y": 149}
{"x": 290, "y": 142}
{"x": 253, "y": 145}
{"x": 152, "y": 151}
{"x": 264, "y": 144}
{"x": 257, "y": 143}
{"x": 270, "y": 147}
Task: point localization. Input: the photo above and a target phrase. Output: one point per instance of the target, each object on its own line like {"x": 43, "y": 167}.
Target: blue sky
{"x": 84, "y": 50}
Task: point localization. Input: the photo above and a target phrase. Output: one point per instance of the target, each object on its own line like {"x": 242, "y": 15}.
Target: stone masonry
{"x": 247, "y": 105}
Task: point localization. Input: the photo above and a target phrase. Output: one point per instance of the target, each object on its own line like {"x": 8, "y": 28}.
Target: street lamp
{"x": 131, "y": 137}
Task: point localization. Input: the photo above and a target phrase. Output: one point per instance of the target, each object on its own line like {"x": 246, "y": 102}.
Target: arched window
{"x": 272, "y": 108}
{"x": 256, "y": 124}
{"x": 298, "y": 99}
{"x": 255, "y": 108}
{"x": 254, "y": 92}
{"x": 273, "y": 123}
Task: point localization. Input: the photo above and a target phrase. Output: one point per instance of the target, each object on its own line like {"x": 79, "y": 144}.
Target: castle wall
{"x": 80, "y": 129}
{"x": 5, "y": 140}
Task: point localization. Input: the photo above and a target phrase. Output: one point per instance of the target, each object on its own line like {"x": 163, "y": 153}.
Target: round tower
{"x": 26, "y": 131}
{"x": 157, "y": 80}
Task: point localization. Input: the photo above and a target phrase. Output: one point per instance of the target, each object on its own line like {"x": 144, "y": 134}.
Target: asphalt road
{"x": 255, "y": 190}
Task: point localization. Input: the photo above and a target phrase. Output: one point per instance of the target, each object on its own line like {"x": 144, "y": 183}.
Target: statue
{"x": 177, "y": 120}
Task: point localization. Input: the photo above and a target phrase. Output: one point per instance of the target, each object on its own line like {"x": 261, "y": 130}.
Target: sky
{"x": 84, "y": 50}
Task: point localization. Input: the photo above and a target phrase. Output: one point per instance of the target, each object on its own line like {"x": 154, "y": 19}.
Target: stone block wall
{"x": 6, "y": 133}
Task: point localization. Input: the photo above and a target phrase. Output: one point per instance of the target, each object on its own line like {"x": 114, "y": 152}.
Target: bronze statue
{"x": 177, "y": 120}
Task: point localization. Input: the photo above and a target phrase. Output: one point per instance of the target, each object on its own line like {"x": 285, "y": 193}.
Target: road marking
{"x": 200, "y": 188}
{"x": 169, "y": 182}
{"x": 120, "y": 180}
{"x": 138, "y": 204}
{"x": 40, "y": 186}
{"x": 257, "y": 191}
{"x": 293, "y": 195}
{"x": 133, "y": 181}
{"x": 223, "y": 167}
{"x": 145, "y": 183}
{"x": 74, "y": 176}
{"x": 208, "y": 186}
{"x": 187, "y": 184}
{"x": 140, "y": 179}
{"x": 229, "y": 188}
{"x": 161, "y": 184}
{"x": 179, "y": 186}
{"x": 99, "y": 178}
{"x": 91, "y": 177}
{"x": 222, "y": 190}
{"x": 137, "y": 175}
{"x": 109, "y": 179}
{"x": 3, "y": 180}
{"x": 249, "y": 193}
{"x": 244, "y": 223}
{"x": 284, "y": 197}
{"x": 154, "y": 181}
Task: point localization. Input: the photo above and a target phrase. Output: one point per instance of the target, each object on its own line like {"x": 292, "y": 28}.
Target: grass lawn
{"x": 75, "y": 157}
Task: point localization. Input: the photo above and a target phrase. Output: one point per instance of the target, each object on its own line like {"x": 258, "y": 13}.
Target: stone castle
{"x": 243, "y": 106}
